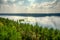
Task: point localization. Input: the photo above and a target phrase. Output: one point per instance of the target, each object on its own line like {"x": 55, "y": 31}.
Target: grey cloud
{"x": 6, "y": 2}
{"x": 1, "y": 1}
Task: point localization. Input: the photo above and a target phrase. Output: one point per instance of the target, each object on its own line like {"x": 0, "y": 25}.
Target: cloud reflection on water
{"x": 42, "y": 21}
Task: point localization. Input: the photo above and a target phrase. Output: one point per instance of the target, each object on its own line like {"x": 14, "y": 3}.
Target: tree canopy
{"x": 13, "y": 30}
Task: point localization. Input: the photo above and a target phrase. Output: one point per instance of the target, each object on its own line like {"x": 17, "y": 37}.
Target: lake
{"x": 45, "y": 20}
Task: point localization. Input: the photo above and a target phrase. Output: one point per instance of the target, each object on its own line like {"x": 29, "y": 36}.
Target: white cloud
{"x": 44, "y": 4}
{"x": 20, "y": 3}
{"x": 5, "y": 0}
{"x": 32, "y": 1}
{"x": 7, "y": 8}
{"x": 44, "y": 7}
{"x": 33, "y": 6}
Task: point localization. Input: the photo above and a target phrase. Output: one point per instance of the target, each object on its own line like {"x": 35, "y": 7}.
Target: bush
{"x": 11, "y": 30}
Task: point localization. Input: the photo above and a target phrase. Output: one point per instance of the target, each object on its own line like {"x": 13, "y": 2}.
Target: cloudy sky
{"x": 29, "y": 6}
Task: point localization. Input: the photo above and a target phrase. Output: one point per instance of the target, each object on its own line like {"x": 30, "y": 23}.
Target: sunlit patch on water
{"x": 47, "y": 21}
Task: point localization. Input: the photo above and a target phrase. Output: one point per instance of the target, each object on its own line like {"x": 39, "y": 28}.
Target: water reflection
{"x": 47, "y": 21}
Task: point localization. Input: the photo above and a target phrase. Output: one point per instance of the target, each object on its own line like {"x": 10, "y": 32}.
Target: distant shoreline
{"x": 28, "y": 14}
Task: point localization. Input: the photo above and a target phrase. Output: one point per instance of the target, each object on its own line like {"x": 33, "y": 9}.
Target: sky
{"x": 29, "y": 6}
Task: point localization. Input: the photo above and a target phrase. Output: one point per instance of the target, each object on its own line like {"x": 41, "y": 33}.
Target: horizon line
{"x": 34, "y": 15}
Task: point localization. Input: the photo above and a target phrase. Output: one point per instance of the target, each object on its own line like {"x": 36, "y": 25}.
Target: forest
{"x": 15, "y": 30}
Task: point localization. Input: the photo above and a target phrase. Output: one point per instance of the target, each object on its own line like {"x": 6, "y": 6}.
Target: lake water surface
{"x": 47, "y": 21}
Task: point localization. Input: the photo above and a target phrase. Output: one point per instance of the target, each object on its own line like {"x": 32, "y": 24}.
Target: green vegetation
{"x": 12, "y": 30}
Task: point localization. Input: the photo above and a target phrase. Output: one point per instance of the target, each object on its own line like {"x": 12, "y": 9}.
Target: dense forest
{"x": 15, "y": 30}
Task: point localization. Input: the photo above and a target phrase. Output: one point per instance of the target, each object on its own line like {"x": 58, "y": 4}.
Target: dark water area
{"x": 30, "y": 14}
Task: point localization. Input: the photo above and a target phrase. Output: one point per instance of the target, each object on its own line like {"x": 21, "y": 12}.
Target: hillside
{"x": 12, "y": 30}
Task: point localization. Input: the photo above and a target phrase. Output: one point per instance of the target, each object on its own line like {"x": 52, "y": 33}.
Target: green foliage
{"x": 12, "y": 30}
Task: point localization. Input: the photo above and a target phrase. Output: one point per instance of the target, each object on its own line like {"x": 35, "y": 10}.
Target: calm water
{"x": 45, "y": 20}
{"x": 42, "y": 21}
